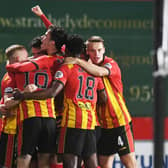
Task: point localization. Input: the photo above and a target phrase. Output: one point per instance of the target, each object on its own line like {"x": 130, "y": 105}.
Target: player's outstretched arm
{"x": 53, "y": 91}
{"x": 31, "y": 65}
{"x": 37, "y": 11}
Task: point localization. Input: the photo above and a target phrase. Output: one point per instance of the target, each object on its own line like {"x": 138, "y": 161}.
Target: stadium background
{"x": 126, "y": 26}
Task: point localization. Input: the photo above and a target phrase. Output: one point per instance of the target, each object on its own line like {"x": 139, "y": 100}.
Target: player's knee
{"x": 129, "y": 162}
{"x": 44, "y": 157}
{"x": 43, "y": 160}
{"x": 70, "y": 160}
{"x": 24, "y": 157}
{"x": 91, "y": 161}
{"x": 106, "y": 161}
{"x": 23, "y": 161}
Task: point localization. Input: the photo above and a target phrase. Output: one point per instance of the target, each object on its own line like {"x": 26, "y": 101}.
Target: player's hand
{"x": 17, "y": 94}
{"x": 30, "y": 88}
{"x": 3, "y": 109}
{"x": 37, "y": 10}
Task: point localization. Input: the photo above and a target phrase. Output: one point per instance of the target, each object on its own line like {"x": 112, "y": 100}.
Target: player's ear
{"x": 87, "y": 52}
{"x": 52, "y": 42}
{"x": 104, "y": 50}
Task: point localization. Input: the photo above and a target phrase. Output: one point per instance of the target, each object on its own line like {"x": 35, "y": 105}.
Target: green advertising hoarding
{"x": 126, "y": 27}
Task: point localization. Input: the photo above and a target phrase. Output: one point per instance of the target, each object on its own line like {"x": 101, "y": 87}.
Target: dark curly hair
{"x": 58, "y": 35}
{"x": 75, "y": 44}
{"x": 35, "y": 42}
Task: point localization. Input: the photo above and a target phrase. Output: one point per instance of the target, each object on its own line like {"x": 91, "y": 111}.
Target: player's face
{"x": 95, "y": 50}
{"x": 19, "y": 56}
{"x": 36, "y": 52}
{"x": 46, "y": 39}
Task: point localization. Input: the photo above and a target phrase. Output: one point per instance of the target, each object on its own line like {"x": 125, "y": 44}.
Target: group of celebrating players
{"x": 63, "y": 103}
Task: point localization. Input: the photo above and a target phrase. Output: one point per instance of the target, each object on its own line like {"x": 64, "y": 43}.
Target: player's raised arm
{"x": 37, "y": 11}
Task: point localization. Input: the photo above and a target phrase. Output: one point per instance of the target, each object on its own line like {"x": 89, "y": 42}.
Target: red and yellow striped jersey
{"x": 80, "y": 96}
{"x": 40, "y": 72}
{"x": 6, "y": 84}
{"x": 115, "y": 112}
{"x": 9, "y": 123}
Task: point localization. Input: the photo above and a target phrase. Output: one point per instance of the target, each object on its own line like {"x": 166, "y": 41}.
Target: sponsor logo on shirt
{"x": 8, "y": 90}
{"x": 58, "y": 74}
{"x": 108, "y": 65}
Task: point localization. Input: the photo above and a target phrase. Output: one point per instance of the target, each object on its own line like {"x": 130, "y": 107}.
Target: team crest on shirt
{"x": 58, "y": 74}
{"x": 108, "y": 65}
{"x": 8, "y": 90}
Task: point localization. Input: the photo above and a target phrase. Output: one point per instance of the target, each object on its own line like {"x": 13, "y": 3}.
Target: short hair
{"x": 75, "y": 44}
{"x": 94, "y": 39}
{"x": 59, "y": 35}
{"x": 12, "y": 49}
{"x": 36, "y": 42}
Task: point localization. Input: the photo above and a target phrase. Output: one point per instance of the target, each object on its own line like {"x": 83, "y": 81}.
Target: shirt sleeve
{"x": 31, "y": 65}
{"x": 113, "y": 69}
{"x": 61, "y": 75}
{"x": 114, "y": 75}
{"x": 8, "y": 84}
{"x": 45, "y": 21}
{"x": 22, "y": 67}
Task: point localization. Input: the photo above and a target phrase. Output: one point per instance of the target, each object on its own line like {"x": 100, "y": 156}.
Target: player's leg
{"x": 126, "y": 148}
{"x": 44, "y": 160}
{"x": 106, "y": 161}
{"x": 70, "y": 144}
{"x": 7, "y": 146}
{"x": 23, "y": 161}
{"x": 129, "y": 160}
{"x": 70, "y": 161}
{"x": 89, "y": 149}
{"x": 56, "y": 161}
{"x": 91, "y": 161}
{"x": 34, "y": 160}
{"x": 47, "y": 142}
{"x": 106, "y": 148}
{"x": 28, "y": 135}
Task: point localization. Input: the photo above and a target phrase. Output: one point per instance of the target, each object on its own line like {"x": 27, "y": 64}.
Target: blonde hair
{"x": 12, "y": 49}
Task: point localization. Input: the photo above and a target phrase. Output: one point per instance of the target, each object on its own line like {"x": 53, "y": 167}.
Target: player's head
{"x": 74, "y": 45}
{"x": 35, "y": 46}
{"x": 95, "y": 49}
{"x": 16, "y": 53}
{"x": 55, "y": 36}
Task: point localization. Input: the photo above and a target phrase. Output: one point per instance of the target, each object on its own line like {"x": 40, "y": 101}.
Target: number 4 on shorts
{"x": 120, "y": 141}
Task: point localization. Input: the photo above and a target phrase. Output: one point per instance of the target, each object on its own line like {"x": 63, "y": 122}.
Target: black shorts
{"x": 76, "y": 141}
{"x": 98, "y": 133}
{"x": 7, "y": 150}
{"x": 116, "y": 140}
{"x": 37, "y": 132}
